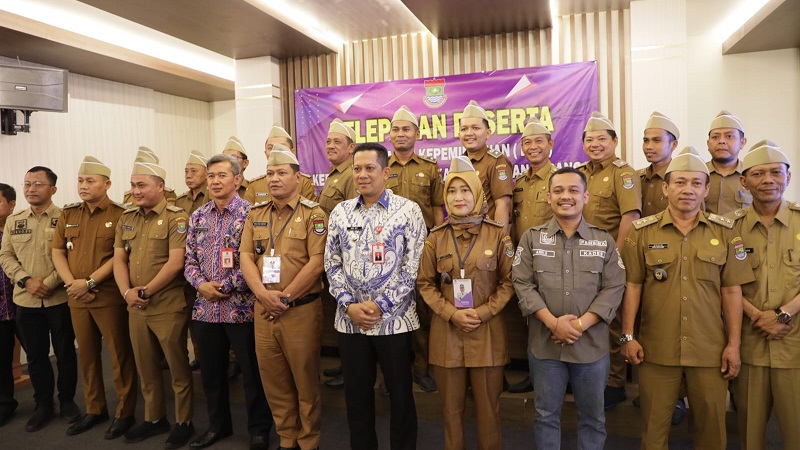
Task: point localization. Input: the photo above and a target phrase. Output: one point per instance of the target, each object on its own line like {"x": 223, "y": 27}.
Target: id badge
{"x": 378, "y": 253}
{"x": 462, "y": 288}
{"x": 271, "y": 270}
{"x": 226, "y": 258}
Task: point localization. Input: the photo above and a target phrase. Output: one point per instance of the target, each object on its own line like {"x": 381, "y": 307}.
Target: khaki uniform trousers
{"x": 151, "y": 335}
{"x": 288, "y": 350}
{"x": 487, "y": 385}
{"x": 707, "y": 392}
{"x": 758, "y": 390}
{"x": 110, "y": 324}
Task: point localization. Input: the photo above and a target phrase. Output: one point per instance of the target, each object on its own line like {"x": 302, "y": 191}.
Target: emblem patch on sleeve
{"x": 181, "y": 226}
{"x": 627, "y": 180}
{"x": 517, "y": 256}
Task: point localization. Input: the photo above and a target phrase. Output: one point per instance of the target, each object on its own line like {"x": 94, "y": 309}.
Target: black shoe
{"x": 70, "y": 412}
{"x": 679, "y": 412}
{"x": 613, "y": 396}
{"x": 425, "y": 382}
{"x": 384, "y": 390}
{"x": 86, "y": 423}
{"x": 209, "y": 438}
{"x": 119, "y": 427}
{"x": 336, "y": 382}
{"x": 259, "y": 442}
{"x": 7, "y": 412}
{"x": 194, "y": 365}
{"x": 180, "y": 435}
{"x": 234, "y": 370}
{"x": 147, "y": 429}
{"x": 41, "y": 416}
{"x": 525, "y": 385}
{"x": 333, "y": 372}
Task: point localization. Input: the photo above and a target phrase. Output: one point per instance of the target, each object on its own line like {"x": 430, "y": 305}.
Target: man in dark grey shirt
{"x": 568, "y": 276}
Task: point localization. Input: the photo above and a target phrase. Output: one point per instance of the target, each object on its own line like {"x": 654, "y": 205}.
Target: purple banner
{"x": 562, "y": 97}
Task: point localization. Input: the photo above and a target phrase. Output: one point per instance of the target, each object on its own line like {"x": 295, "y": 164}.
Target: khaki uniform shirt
{"x": 303, "y": 237}
{"x": 242, "y": 188}
{"x": 682, "y": 323}
{"x": 614, "y": 189}
{"x": 488, "y": 265}
{"x": 420, "y": 181}
{"x": 92, "y": 238}
{"x": 189, "y": 204}
{"x": 774, "y": 254}
{"x": 495, "y": 172}
{"x": 575, "y": 275}
{"x": 653, "y": 198}
{"x": 169, "y": 194}
{"x": 726, "y": 194}
{"x": 530, "y": 200}
{"x": 258, "y": 191}
{"x": 338, "y": 187}
{"x": 27, "y": 249}
{"x": 150, "y": 238}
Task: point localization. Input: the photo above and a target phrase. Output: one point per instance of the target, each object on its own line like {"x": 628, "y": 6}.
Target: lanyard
{"x": 461, "y": 261}
{"x": 271, "y": 239}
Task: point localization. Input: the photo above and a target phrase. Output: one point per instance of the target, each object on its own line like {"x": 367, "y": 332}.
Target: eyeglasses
{"x": 35, "y": 185}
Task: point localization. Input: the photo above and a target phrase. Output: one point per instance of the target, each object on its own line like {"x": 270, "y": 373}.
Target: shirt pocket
{"x": 603, "y": 202}
{"x": 105, "y": 238}
{"x": 392, "y": 183}
{"x": 422, "y": 189}
{"x": 709, "y": 264}
{"x": 588, "y": 273}
{"x": 544, "y": 269}
{"x": 21, "y": 238}
{"x": 446, "y": 265}
{"x": 659, "y": 259}
{"x": 541, "y": 207}
{"x": 791, "y": 262}
{"x": 157, "y": 239}
{"x": 332, "y": 192}
{"x": 295, "y": 241}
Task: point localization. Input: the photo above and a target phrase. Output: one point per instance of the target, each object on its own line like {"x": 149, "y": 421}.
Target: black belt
{"x": 303, "y": 300}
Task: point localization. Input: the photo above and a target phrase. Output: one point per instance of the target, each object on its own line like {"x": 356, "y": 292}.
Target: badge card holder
{"x": 271, "y": 270}
{"x": 378, "y": 253}
{"x": 462, "y": 289}
{"x": 226, "y": 258}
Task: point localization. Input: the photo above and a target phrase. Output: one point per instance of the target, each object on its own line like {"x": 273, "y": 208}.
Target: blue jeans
{"x": 550, "y": 379}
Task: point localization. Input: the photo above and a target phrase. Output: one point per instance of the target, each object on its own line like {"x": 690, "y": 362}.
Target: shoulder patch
{"x": 620, "y": 163}
{"x": 130, "y": 210}
{"x": 645, "y": 221}
{"x": 739, "y": 213}
{"x": 438, "y": 227}
{"x": 429, "y": 159}
{"x": 521, "y": 176}
{"x": 495, "y": 153}
{"x": 641, "y": 172}
{"x": 724, "y": 221}
{"x": 120, "y": 205}
{"x": 260, "y": 177}
{"x": 185, "y": 194}
{"x": 260, "y": 204}
{"x": 168, "y": 189}
{"x": 493, "y": 223}
{"x": 71, "y": 205}
{"x": 174, "y": 208}
{"x": 794, "y": 206}
{"x": 303, "y": 175}
{"x": 309, "y": 203}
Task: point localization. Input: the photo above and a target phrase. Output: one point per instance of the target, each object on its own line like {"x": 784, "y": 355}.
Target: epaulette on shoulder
{"x": 130, "y": 210}
{"x": 492, "y": 222}
{"x": 495, "y": 153}
{"x": 305, "y": 175}
{"x": 126, "y": 193}
{"x": 724, "y": 221}
{"x": 169, "y": 189}
{"x": 71, "y": 205}
{"x": 260, "y": 177}
{"x": 645, "y": 221}
{"x": 641, "y": 172}
{"x": 185, "y": 194}
{"x": 309, "y": 203}
{"x": 174, "y": 208}
{"x": 438, "y": 227}
{"x": 260, "y": 204}
{"x": 521, "y": 176}
{"x": 429, "y": 159}
{"x": 736, "y": 214}
{"x": 620, "y": 163}
{"x": 794, "y": 206}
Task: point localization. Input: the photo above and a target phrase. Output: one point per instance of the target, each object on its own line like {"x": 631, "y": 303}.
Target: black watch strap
{"x": 21, "y": 282}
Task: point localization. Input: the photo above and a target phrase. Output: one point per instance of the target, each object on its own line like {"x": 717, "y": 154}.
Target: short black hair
{"x": 671, "y": 136}
{"x": 567, "y": 169}
{"x": 51, "y": 176}
{"x": 611, "y": 133}
{"x": 383, "y": 154}
{"x": 8, "y": 192}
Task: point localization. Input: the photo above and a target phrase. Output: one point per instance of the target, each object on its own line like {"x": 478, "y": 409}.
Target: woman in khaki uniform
{"x": 467, "y": 262}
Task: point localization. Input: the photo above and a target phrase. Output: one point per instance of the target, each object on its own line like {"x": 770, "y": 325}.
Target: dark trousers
{"x": 8, "y": 330}
{"x": 37, "y": 326}
{"x": 214, "y": 340}
{"x": 359, "y": 355}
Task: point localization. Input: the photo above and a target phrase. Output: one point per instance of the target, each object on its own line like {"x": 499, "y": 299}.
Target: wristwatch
{"x": 21, "y": 282}
{"x": 90, "y": 283}
{"x": 783, "y": 316}
{"x": 625, "y": 338}
{"x": 344, "y": 307}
